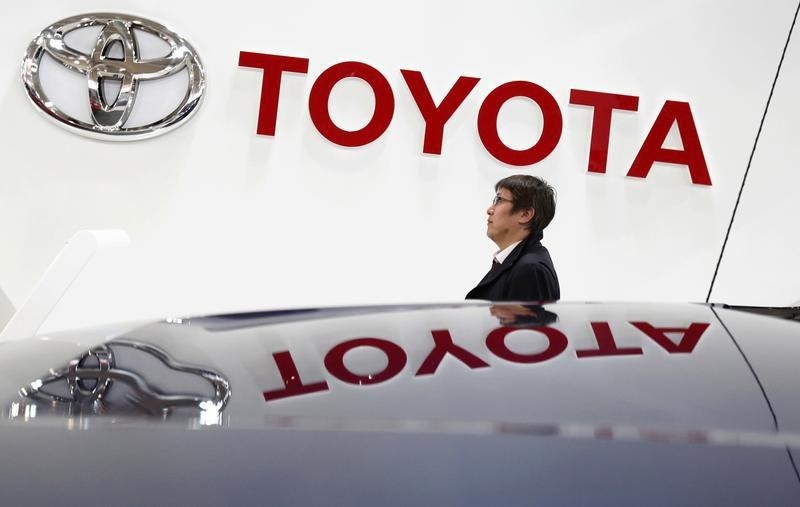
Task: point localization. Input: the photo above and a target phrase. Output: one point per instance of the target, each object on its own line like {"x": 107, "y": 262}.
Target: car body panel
{"x": 461, "y": 404}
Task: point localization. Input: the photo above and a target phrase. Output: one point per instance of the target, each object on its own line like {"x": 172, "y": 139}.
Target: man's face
{"x": 503, "y": 226}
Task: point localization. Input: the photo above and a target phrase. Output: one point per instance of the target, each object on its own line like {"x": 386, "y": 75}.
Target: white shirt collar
{"x": 501, "y": 255}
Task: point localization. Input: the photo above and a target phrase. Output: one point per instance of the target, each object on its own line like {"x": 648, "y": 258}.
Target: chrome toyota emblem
{"x": 109, "y": 115}
{"x": 95, "y": 384}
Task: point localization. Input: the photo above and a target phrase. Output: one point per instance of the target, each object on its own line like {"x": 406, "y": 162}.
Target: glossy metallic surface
{"x": 109, "y": 116}
{"x": 462, "y": 404}
{"x": 90, "y": 378}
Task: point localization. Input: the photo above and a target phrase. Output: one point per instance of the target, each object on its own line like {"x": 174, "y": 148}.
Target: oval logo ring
{"x": 109, "y": 118}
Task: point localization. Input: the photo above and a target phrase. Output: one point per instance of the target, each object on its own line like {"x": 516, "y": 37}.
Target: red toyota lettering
{"x": 603, "y": 104}
{"x": 606, "y": 345}
{"x": 552, "y": 123}
{"x": 274, "y": 66}
{"x": 496, "y": 343}
{"x": 436, "y": 116}
{"x": 652, "y": 149}
{"x": 689, "y": 336}
{"x": 293, "y": 385}
{"x": 443, "y": 345}
{"x": 321, "y": 92}
{"x": 334, "y": 361}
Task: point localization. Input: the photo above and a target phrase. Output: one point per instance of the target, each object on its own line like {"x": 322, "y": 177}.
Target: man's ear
{"x": 526, "y": 216}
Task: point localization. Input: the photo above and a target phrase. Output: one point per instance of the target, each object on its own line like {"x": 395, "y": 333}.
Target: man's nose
{"x": 490, "y": 210}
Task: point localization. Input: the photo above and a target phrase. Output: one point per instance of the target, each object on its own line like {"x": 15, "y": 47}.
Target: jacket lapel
{"x": 493, "y": 274}
{"x": 533, "y": 238}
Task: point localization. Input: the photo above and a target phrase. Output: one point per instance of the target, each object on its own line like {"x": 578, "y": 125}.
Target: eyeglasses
{"x": 497, "y": 200}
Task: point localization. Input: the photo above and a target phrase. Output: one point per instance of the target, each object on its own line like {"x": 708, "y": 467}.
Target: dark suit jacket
{"x": 527, "y": 274}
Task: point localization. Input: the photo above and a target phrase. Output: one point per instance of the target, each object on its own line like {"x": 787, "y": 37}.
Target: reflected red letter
{"x": 692, "y": 153}
{"x": 443, "y": 344}
{"x": 496, "y": 342}
{"x": 291, "y": 379}
{"x": 691, "y": 335}
{"x": 606, "y": 346}
{"x": 334, "y": 361}
{"x": 273, "y": 66}
{"x": 551, "y": 123}
{"x": 321, "y": 93}
{"x": 435, "y": 117}
{"x": 603, "y": 104}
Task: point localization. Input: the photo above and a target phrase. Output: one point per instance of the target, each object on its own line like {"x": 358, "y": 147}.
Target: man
{"x": 522, "y": 269}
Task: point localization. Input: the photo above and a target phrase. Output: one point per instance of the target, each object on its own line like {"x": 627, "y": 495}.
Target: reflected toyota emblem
{"x": 110, "y": 114}
{"x": 95, "y": 384}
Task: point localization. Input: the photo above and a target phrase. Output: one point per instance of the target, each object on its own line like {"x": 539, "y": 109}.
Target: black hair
{"x": 531, "y": 192}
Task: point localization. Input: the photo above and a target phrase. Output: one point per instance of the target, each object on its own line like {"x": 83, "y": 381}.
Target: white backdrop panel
{"x": 223, "y": 219}
{"x": 760, "y": 262}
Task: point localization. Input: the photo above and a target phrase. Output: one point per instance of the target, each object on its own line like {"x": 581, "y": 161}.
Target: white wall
{"x": 223, "y": 219}
{"x": 760, "y": 265}
{"x": 6, "y": 309}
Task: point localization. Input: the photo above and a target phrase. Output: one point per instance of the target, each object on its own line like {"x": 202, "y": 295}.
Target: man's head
{"x": 522, "y": 204}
